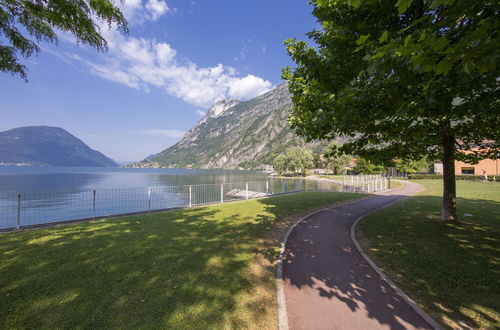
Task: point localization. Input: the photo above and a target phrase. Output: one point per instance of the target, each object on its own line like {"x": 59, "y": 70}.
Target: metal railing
{"x": 34, "y": 208}
{"x": 368, "y": 183}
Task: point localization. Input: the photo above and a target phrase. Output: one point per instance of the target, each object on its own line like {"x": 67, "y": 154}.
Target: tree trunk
{"x": 449, "y": 212}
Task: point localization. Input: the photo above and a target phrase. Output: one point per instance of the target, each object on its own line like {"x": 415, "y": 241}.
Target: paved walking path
{"x": 327, "y": 282}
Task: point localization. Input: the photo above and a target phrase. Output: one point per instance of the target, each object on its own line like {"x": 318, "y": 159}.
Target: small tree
{"x": 337, "y": 162}
{"x": 364, "y": 166}
{"x": 39, "y": 19}
{"x": 280, "y": 163}
{"x": 299, "y": 159}
{"x": 410, "y": 166}
{"x": 320, "y": 161}
{"x": 407, "y": 79}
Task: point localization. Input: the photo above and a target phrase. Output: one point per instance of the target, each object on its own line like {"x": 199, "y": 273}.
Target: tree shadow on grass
{"x": 431, "y": 260}
{"x": 192, "y": 268}
{"x": 179, "y": 269}
{"x": 451, "y": 269}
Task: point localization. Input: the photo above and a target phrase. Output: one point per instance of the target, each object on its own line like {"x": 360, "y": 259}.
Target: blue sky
{"x": 155, "y": 83}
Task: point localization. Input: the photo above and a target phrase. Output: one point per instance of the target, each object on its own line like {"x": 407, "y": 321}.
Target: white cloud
{"x": 248, "y": 87}
{"x": 138, "y": 13}
{"x": 198, "y": 112}
{"x": 142, "y": 63}
{"x": 160, "y": 132}
{"x": 156, "y": 9}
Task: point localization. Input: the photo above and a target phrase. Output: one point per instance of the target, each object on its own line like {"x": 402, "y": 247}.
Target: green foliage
{"x": 246, "y": 165}
{"x": 280, "y": 163}
{"x": 299, "y": 159}
{"x": 365, "y": 166}
{"x": 411, "y": 166}
{"x": 458, "y": 177}
{"x": 296, "y": 160}
{"x": 41, "y": 19}
{"x": 335, "y": 161}
{"x": 404, "y": 80}
{"x": 400, "y": 78}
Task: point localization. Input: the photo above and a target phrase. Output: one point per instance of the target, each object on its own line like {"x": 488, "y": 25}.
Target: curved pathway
{"x": 328, "y": 284}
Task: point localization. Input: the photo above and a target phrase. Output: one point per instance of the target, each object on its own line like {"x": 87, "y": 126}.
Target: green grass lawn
{"x": 396, "y": 184}
{"x": 452, "y": 270}
{"x": 201, "y": 268}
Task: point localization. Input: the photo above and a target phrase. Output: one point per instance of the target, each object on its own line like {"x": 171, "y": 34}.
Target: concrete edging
{"x": 403, "y": 296}
{"x": 282, "y": 310}
{"x": 280, "y": 292}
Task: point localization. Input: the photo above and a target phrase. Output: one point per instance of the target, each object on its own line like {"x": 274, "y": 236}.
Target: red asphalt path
{"x": 327, "y": 282}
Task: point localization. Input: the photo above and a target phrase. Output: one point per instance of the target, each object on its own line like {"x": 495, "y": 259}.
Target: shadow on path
{"x": 328, "y": 284}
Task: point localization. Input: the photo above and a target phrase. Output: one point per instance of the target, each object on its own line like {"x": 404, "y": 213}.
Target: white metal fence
{"x": 27, "y": 209}
{"x": 368, "y": 183}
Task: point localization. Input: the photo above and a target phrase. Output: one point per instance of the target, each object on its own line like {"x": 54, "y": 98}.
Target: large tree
{"x": 40, "y": 20}
{"x": 407, "y": 78}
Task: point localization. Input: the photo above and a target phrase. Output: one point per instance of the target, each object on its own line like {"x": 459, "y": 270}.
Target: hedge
{"x": 440, "y": 177}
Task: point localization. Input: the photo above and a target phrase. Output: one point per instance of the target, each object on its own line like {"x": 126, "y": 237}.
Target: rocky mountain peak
{"x": 218, "y": 108}
{"x": 236, "y": 134}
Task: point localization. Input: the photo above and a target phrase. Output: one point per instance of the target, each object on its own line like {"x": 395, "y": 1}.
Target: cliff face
{"x": 47, "y": 146}
{"x": 236, "y": 134}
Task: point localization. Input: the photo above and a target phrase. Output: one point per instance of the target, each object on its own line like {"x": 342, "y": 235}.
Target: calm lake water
{"x": 35, "y": 195}
{"x": 50, "y": 179}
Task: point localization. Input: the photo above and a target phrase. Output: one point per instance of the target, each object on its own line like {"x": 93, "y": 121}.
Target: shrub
{"x": 440, "y": 177}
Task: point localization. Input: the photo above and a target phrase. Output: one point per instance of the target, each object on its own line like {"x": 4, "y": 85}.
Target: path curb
{"x": 280, "y": 292}
{"x": 282, "y": 309}
{"x": 403, "y": 296}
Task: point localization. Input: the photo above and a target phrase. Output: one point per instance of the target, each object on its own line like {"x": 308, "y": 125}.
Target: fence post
{"x": 149, "y": 199}
{"x": 246, "y": 190}
{"x": 222, "y": 193}
{"x": 317, "y": 181}
{"x": 190, "y": 199}
{"x": 283, "y": 187}
{"x": 267, "y": 187}
{"x": 93, "y": 204}
{"x": 18, "y": 221}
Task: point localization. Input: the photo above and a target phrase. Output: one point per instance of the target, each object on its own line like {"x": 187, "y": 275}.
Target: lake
{"x": 34, "y": 195}
{"x": 49, "y": 179}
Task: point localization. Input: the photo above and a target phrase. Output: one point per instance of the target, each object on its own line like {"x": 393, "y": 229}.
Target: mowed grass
{"x": 396, "y": 184}
{"x": 452, "y": 270}
{"x": 201, "y": 268}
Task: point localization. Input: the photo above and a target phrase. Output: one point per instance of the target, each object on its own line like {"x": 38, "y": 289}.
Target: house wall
{"x": 491, "y": 167}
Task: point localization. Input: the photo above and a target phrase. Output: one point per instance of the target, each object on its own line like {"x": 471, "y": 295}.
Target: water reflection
{"x": 40, "y": 195}
{"x": 56, "y": 194}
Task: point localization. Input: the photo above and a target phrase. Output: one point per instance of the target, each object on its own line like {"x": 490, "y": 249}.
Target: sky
{"x": 157, "y": 82}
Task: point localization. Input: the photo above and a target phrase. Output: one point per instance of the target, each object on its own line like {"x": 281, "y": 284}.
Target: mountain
{"x": 235, "y": 134}
{"x": 47, "y": 146}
